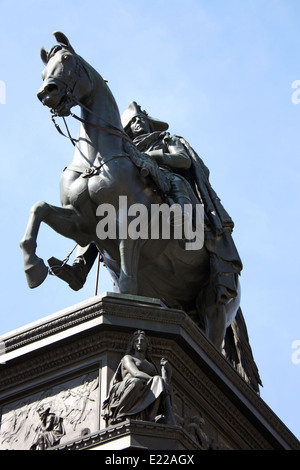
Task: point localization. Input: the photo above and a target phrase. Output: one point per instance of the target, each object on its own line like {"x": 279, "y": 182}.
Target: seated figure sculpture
{"x": 137, "y": 390}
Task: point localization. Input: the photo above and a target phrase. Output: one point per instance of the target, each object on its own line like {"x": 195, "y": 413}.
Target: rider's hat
{"x": 134, "y": 110}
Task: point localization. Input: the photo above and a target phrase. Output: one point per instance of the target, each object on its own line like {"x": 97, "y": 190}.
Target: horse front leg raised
{"x": 62, "y": 220}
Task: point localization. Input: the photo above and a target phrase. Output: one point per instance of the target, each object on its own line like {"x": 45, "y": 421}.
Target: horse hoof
{"x": 36, "y": 274}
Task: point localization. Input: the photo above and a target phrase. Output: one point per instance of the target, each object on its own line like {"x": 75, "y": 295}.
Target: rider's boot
{"x": 76, "y": 274}
{"x": 180, "y": 195}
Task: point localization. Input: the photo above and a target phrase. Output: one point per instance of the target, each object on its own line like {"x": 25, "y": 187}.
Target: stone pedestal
{"x": 62, "y": 365}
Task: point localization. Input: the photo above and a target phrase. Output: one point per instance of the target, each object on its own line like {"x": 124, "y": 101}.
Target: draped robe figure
{"x": 138, "y": 391}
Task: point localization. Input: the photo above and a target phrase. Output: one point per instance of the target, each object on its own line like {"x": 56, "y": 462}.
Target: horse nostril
{"x": 40, "y": 95}
{"x": 51, "y": 88}
{"x": 47, "y": 90}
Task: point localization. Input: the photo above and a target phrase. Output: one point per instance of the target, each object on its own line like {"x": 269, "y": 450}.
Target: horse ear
{"x": 44, "y": 55}
{"x": 61, "y": 38}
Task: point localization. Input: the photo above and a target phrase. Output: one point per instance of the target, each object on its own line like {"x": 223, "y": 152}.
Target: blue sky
{"x": 220, "y": 72}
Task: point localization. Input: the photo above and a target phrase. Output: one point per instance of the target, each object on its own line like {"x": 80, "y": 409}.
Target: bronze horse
{"x": 101, "y": 171}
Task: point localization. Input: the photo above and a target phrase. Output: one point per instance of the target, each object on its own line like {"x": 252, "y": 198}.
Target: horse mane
{"x": 91, "y": 72}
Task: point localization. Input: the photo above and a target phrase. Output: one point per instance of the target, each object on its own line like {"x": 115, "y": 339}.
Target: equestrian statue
{"x": 134, "y": 158}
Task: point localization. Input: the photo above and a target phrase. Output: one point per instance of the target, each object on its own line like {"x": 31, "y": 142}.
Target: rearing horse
{"x": 153, "y": 268}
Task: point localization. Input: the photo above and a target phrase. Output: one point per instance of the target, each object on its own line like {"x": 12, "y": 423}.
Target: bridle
{"x": 69, "y": 91}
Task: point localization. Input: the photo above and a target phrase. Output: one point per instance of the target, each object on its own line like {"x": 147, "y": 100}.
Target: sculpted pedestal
{"x": 56, "y": 374}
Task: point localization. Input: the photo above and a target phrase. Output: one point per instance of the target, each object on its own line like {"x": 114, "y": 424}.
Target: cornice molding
{"x": 133, "y": 428}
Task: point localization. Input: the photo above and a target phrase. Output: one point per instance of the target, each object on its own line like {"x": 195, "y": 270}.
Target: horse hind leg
{"x": 62, "y": 220}
{"x": 129, "y": 256}
{"x": 215, "y": 316}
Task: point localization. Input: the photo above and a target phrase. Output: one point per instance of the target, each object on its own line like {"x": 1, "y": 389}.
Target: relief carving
{"x": 56, "y": 415}
{"x": 50, "y": 430}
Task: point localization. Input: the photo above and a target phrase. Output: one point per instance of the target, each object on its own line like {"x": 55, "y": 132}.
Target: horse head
{"x": 66, "y": 79}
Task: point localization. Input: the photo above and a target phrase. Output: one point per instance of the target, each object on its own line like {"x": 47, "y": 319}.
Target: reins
{"x": 111, "y": 130}
{"x": 60, "y": 131}
{"x": 101, "y": 128}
